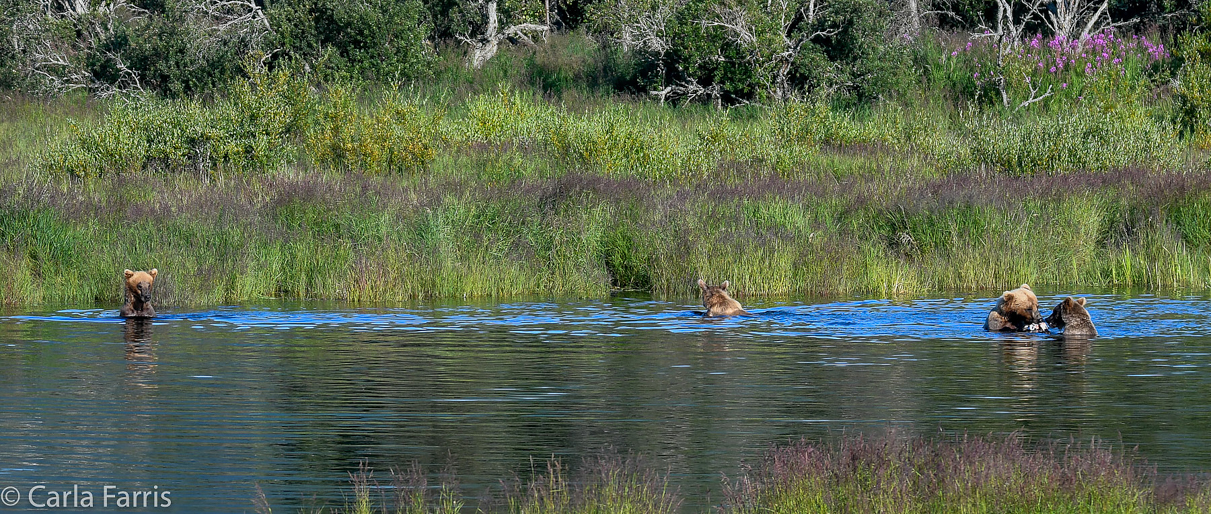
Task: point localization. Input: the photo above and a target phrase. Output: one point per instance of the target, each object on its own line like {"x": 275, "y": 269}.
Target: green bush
{"x": 1084, "y": 139}
{"x": 178, "y": 59}
{"x": 863, "y": 63}
{"x": 10, "y": 43}
{"x": 249, "y": 130}
{"x": 613, "y": 143}
{"x": 1194, "y": 88}
{"x": 393, "y": 136}
{"x": 772, "y": 54}
{"x": 381, "y": 41}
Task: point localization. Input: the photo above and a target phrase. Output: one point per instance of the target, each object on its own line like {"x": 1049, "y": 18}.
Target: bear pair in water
{"x": 1018, "y": 311}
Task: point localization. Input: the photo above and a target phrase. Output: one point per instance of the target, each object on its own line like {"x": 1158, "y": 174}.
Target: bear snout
{"x": 1054, "y": 320}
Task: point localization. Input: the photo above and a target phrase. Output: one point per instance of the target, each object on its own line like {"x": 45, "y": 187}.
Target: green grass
{"x": 280, "y": 190}
{"x": 382, "y": 239}
{"x": 966, "y": 474}
{"x": 891, "y": 473}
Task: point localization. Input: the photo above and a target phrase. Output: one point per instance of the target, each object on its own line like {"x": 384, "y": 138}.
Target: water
{"x": 206, "y": 404}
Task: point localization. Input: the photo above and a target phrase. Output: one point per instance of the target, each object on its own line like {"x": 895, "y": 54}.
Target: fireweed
{"x": 1100, "y": 67}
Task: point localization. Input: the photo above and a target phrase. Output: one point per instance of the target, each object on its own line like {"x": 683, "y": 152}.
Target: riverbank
{"x": 281, "y": 192}
{"x": 889, "y": 473}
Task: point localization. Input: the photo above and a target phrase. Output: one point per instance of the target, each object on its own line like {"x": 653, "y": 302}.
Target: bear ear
{"x": 1080, "y": 301}
{"x": 153, "y": 272}
{"x": 1007, "y": 296}
{"x": 1026, "y": 287}
{"x": 723, "y": 286}
{"x": 1068, "y": 301}
{"x": 128, "y": 273}
{"x": 701, "y": 284}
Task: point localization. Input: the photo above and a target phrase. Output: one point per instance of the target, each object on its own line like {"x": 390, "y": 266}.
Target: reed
{"x": 376, "y": 238}
{"x": 887, "y": 473}
{"x": 963, "y": 474}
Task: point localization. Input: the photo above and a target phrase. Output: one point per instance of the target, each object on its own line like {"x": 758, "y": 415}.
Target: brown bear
{"x": 718, "y": 302}
{"x": 1071, "y": 316}
{"x": 138, "y": 294}
{"x": 1016, "y": 311}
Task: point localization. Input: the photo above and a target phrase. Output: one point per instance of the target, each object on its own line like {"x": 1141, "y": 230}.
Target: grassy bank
{"x": 287, "y": 190}
{"x": 885, "y": 474}
{"x": 373, "y": 239}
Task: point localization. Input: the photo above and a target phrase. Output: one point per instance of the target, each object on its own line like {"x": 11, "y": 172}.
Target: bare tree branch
{"x": 55, "y": 62}
{"x": 1034, "y": 94}
{"x": 484, "y": 46}
{"x": 63, "y": 60}
{"x": 735, "y": 21}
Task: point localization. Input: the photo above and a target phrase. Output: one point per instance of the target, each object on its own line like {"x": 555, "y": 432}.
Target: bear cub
{"x": 138, "y": 294}
{"x": 1016, "y": 311}
{"x": 718, "y": 302}
{"x": 1071, "y": 316}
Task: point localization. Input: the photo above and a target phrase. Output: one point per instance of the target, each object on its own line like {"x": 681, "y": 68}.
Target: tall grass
{"x": 370, "y": 238}
{"x": 967, "y": 474}
{"x": 606, "y": 484}
{"x": 288, "y": 190}
{"x": 889, "y": 473}
{"x": 272, "y": 118}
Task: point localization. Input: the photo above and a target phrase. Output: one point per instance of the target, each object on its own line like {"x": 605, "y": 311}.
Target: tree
{"x": 113, "y": 47}
{"x": 485, "y": 45}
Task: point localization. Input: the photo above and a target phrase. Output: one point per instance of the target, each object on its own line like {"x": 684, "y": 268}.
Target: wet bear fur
{"x": 1071, "y": 316}
{"x": 717, "y": 301}
{"x": 1016, "y": 311}
{"x": 138, "y": 294}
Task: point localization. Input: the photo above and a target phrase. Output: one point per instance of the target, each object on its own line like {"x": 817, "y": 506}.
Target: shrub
{"x": 395, "y": 135}
{"x": 176, "y": 57}
{"x": 1103, "y": 67}
{"x": 1084, "y": 139}
{"x": 249, "y": 130}
{"x": 376, "y": 40}
{"x": 506, "y": 116}
{"x": 614, "y": 143}
{"x": 1194, "y": 88}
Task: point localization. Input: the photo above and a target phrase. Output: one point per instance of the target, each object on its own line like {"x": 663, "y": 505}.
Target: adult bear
{"x": 138, "y": 294}
{"x": 1071, "y": 316}
{"x": 1016, "y": 311}
{"x": 718, "y": 302}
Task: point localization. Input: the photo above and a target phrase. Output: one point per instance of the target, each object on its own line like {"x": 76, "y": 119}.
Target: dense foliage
{"x": 740, "y": 51}
{"x": 323, "y": 149}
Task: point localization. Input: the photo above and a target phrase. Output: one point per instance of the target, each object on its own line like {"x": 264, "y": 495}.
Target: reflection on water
{"x": 291, "y": 396}
{"x": 140, "y": 352}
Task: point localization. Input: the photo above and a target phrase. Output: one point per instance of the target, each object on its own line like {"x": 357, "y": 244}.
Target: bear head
{"x": 138, "y": 284}
{"x": 1020, "y": 305}
{"x": 1071, "y": 316}
{"x": 713, "y": 295}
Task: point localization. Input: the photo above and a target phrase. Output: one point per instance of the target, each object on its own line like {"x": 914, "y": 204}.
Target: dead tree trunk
{"x": 486, "y": 45}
